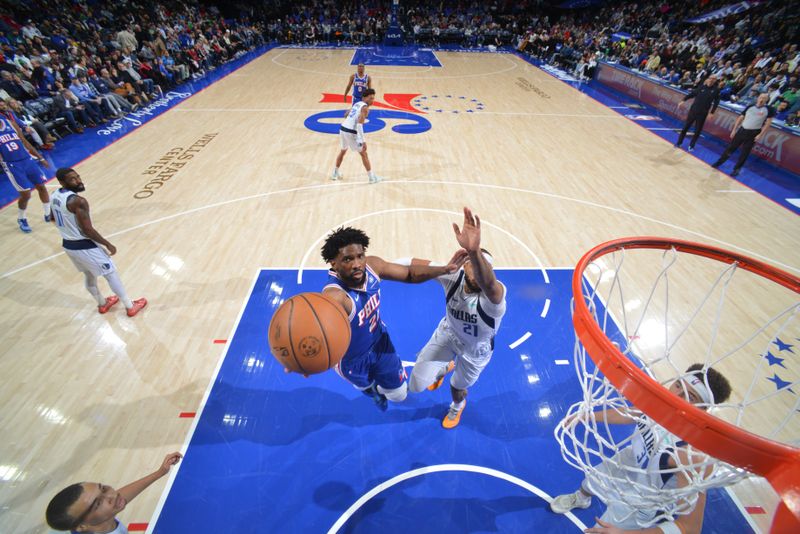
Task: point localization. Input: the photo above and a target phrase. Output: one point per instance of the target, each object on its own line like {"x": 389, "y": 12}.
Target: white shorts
{"x": 349, "y": 142}
{"x": 92, "y": 260}
{"x": 442, "y": 347}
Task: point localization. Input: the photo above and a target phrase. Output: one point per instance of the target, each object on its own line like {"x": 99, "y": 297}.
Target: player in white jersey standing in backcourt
{"x": 81, "y": 243}
{"x": 351, "y": 135}
{"x": 464, "y": 340}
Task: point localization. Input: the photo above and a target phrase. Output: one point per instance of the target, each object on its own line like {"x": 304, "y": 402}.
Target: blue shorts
{"x": 380, "y": 364}
{"x": 23, "y": 174}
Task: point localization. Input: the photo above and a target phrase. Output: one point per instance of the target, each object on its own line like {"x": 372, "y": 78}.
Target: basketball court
{"x": 219, "y": 241}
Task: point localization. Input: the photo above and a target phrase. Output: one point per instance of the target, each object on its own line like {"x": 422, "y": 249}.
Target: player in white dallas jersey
{"x": 81, "y": 240}
{"x": 464, "y": 340}
{"x": 351, "y": 135}
{"x": 649, "y": 461}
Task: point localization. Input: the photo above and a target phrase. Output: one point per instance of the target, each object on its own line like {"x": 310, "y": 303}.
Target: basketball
{"x": 309, "y": 333}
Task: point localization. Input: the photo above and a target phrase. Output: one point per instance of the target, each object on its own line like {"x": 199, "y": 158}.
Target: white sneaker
{"x": 564, "y": 503}
{"x": 336, "y": 176}
{"x": 374, "y": 179}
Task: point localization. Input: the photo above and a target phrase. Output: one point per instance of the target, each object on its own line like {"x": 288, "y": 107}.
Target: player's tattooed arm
{"x": 80, "y": 207}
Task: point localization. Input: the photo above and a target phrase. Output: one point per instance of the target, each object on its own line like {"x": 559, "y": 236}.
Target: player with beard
{"x": 464, "y": 340}
{"x": 371, "y": 363}
{"x": 81, "y": 243}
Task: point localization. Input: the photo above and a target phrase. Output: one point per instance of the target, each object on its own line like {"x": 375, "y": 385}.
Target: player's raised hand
{"x": 469, "y": 236}
{"x": 457, "y": 261}
{"x": 170, "y": 460}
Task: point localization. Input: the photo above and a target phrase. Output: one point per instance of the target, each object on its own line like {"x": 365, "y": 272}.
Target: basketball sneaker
{"x": 336, "y": 176}
{"x": 564, "y": 503}
{"x": 110, "y": 301}
{"x": 138, "y": 305}
{"x": 440, "y": 379}
{"x": 453, "y": 416}
{"x": 49, "y": 218}
{"x": 24, "y": 226}
{"x": 374, "y": 179}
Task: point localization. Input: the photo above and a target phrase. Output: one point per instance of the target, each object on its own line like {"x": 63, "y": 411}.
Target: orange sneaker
{"x": 436, "y": 385}
{"x": 453, "y": 416}
{"x": 110, "y": 301}
{"x": 138, "y": 304}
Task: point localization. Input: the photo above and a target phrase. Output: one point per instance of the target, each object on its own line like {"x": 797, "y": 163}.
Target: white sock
{"x": 371, "y": 174}
{"x": 91, "y": 286}
{"x": 458, "y": 405}
{"x": 20, "y": 214}
{"x": 119, "y": 290}
{"x": 46, "y": 208}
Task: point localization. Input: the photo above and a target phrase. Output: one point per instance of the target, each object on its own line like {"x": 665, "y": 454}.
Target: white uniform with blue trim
{"x": 85, "y": 254}
{"x": 643, "y": 462}
{"x": 347, "y": 131}
{"x": 466, "y": 334}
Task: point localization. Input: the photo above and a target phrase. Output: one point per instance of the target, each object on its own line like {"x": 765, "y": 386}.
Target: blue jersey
{"x": 11, "y": 147}
{"x": 360, "y": 83}
{"x": 366, "y": 327}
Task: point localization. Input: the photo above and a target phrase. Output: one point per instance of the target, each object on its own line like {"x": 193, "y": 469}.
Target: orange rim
{"x": 777, "y": 462}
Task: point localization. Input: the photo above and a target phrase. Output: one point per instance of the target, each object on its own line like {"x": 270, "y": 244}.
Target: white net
{"x": 665, "y": 311}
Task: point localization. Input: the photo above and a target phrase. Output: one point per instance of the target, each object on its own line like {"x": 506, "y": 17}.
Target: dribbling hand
{"x": 469, "y": 236}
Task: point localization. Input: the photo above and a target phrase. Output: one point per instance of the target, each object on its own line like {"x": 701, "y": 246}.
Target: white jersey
{"x": 629, "y": 481}
{"x": 352, "y": 117}
{"x": 66, "y": 222}
{"x": 472, "y": 317}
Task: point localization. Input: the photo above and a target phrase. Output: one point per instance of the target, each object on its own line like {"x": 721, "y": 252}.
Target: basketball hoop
{"x": 640, "y": 335}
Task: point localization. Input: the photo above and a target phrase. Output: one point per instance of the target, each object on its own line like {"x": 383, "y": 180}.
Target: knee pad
{"x": 395, "y": 395}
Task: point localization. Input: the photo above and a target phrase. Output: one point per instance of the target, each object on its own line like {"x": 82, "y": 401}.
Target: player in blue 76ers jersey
{"x": 371, "y": 363}
{"x": 18, "y": 160}
{"x": 359, "y": 82}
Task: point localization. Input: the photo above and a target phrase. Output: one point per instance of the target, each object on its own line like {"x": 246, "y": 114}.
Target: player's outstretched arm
{"x": 469, "y": 237}
{"x": 135, "y": 488}
{"x": 340, "y": 297}
{"x": 414, "y": 273}
{"x": 80, "y": 207}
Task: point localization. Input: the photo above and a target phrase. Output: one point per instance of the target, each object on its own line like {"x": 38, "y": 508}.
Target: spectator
{"x": 68, "y": 107}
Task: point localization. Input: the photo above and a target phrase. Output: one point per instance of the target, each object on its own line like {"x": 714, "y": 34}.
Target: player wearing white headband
{"x": 464, "y": 340}
{"x": 652, "y": 454}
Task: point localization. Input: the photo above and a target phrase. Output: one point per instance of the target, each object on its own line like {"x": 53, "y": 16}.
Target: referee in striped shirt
{"x": 754, "y": 122}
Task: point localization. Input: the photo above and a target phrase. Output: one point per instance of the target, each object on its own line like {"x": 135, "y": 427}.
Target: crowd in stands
{"x": 66, "y": 66}
{"x": 749, "y": 53}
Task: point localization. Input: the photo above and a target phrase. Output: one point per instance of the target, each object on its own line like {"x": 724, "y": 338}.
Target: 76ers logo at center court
{"x": 395, "y": 106}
